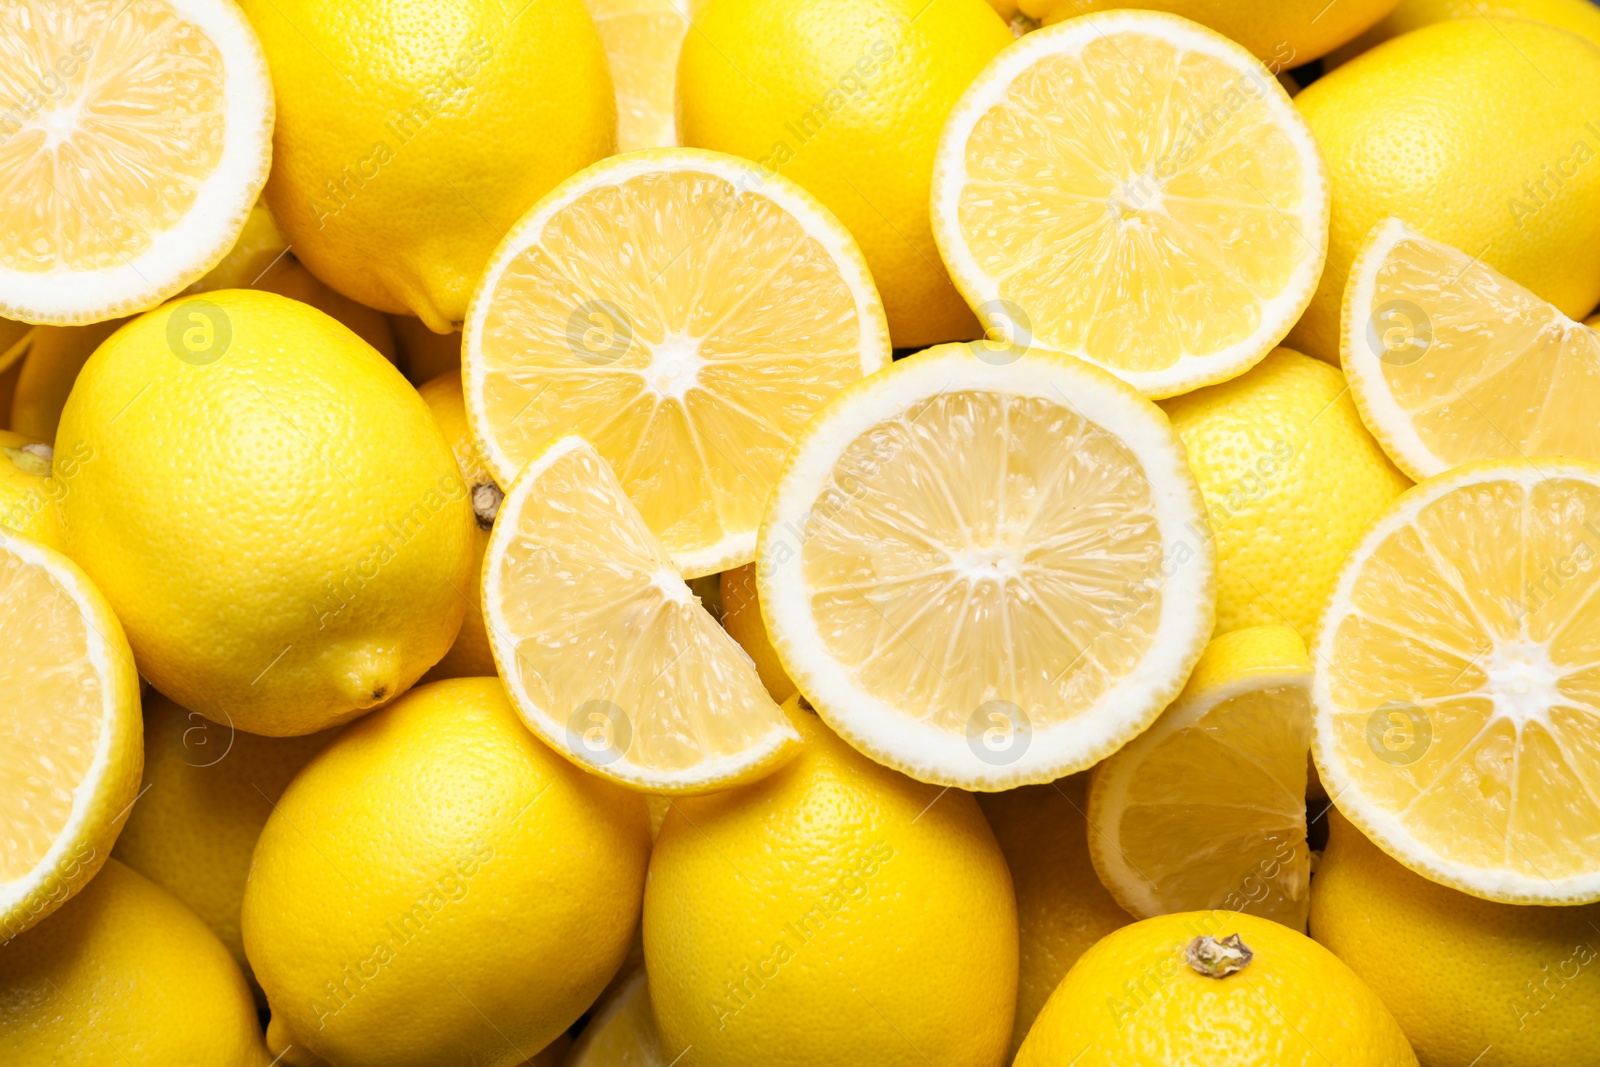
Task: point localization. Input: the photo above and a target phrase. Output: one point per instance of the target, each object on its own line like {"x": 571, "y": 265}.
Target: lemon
{"x": 1291, "y": 480}
{"x": 608, "y": 655}
{"x": 622, "y": 1032}
{"x": 987, "y": 567}
{"x": 686, "y": 313}
{"x": 847, "y": 98}
{"x": 1474, "y": 133}
{"x": 1577, "y": 16}
{"x": 834, "y": 912}
{"x": 54, "y": 359}
{"x": 1062, "y": 909}
{"x": 69, "y": 770}
{"x": 1213, "y": 987}
{"x": 1467, "y": 979}
{"x": 404, "y": 145}
{"x": 1455, "y": 686}
{"x": 741, "y": 617}
{"x": 291, "y": 279}
{"x": 1451, "y": 362}
{"x": 423, "y": 354}
{"x": 133, "y": 149}
{"x": 1281, "y": 33}
{"x": 14, "y": 338}
{"x": 124, "y": 974}
{"x": 642, "y": 39}
{"x": 438, "y": 888}
{"x": 271, "y": 509}
{"x": 30, "y": 499}
{"x": 1207, "y": 808}
{"x": 208, "y": 791}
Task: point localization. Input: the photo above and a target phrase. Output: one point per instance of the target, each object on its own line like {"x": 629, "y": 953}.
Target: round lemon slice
{"x": 1457, "y": 682}
{"x": 137, "y": 136}
{"x": 1451, "y": 362}
{"x": 1136, "y": 190}
{"x": 73, "y": 744}
{"x": 987, "y": 567}
{"x": 1207, "y": 808}
{"x": 684, "y": 311}
{"x": 642, "y": 39}
{"x": 606, "y": 653}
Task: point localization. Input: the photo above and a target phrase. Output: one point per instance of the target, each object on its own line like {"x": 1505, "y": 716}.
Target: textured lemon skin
{"x": 911, "y": 957}
{"x": 282, "y": 531}
{"x": 741, "y": 617}
{"x": 1578, "y": 16}
{"x": 1507, "y": 985}
{"x": 410, "y": 137}
{"x": 847, "y": 98}
{"x": 437, "y": 861}
{"x": 30, "y": 501}
{"x": 125, "y": 975}
{"x": 1472, "y": 132}
{"x": 208, "y": 791}
{"x": 1132, "y": 1001}
{"x": 1291, "y": 479}
{"x": 1062, "y": 909}
{"x": 1282, "y": 33}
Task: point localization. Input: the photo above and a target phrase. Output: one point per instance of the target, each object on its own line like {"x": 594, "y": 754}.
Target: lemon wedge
{"x": 642, "y": 39}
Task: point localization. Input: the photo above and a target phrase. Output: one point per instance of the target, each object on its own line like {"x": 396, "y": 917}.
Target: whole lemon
{"x": 411, "y": 135}
{"x": 1282, "y": 33}
{"x": 208, "y": 790}
{"x": 847, "y": 97}
{"x": 30, "y": 499}
{"x": 1579, "y": 16}
{"x": 1213, "y": 987}
{"x": 269, "y": 508}
{"x": 1478, "y": 133}
{"x": 439, "y": 889}
{"x": 1470, "y": 981}
{"x": 833, "y": 912}
{"x": 124, "y": 975}
{"x": 1291, "y": 481}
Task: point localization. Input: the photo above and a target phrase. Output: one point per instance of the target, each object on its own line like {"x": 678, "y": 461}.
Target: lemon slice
{"x": 73, "y": 745}
{"x": 138, "y": 139}
{"x": 623, "y": 1033}
{"x": 684, "y": 311}
{"x": 1457, "y": 684}
{"x": 1135, "y": 190}
{"x": 1451, "y": 362}
{"x": 986, "y": 567}
{"x": 1207, "y": 808}
{"x": 606, "y": 653}
{"x": 642, "y": 39}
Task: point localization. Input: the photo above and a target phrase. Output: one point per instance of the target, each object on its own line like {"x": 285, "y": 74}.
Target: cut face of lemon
{"x": 1457, "y": 685}
{"x": 1135, "y": 190}
{"x": 624, "y": 1032}
{"x": 642, "y": 39}
{"x": 986, "y": 567}
{"x": 606, "y": 653}
{"x": 136, "y": 137}
{"x": 1451, "y": 362}
{"x": 686, "y": 313}
{"x": 1207, "y": 808}
{"x": 71, "y": 744}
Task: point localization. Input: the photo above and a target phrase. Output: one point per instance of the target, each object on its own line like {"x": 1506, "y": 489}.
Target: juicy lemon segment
{"x": 130, "y": 165}
{"x": 642, "y": 39}
{"x": 1451, "y": 362}
{"x": 987, "y": 567}
{"x": 684, "y": 312}
{"x": 1135, "y": 190}
{"x": 1206, "y": 809}
{"x": 608, "y": 656}
{"x": 1457, "y": 691}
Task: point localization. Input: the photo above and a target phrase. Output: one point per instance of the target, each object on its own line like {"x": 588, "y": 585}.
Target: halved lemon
{"x": 642, "y": 39}
{"x": 684, "y": 311}
{"x": 1457, "y": 682}
{"x": 606, "y": 653}
{"x": 73, "y": 745}
{"x": 1207, "y": 808}
{"x": 1136, "y": 190}
{"x": 1451, "y": 362}
{"x": 137, "y": 138}
{"x": 623, "y": 1033}
{"x": 987, "y": 567}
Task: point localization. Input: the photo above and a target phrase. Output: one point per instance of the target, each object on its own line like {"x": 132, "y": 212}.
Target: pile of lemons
{"x": 636, "y": 533}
